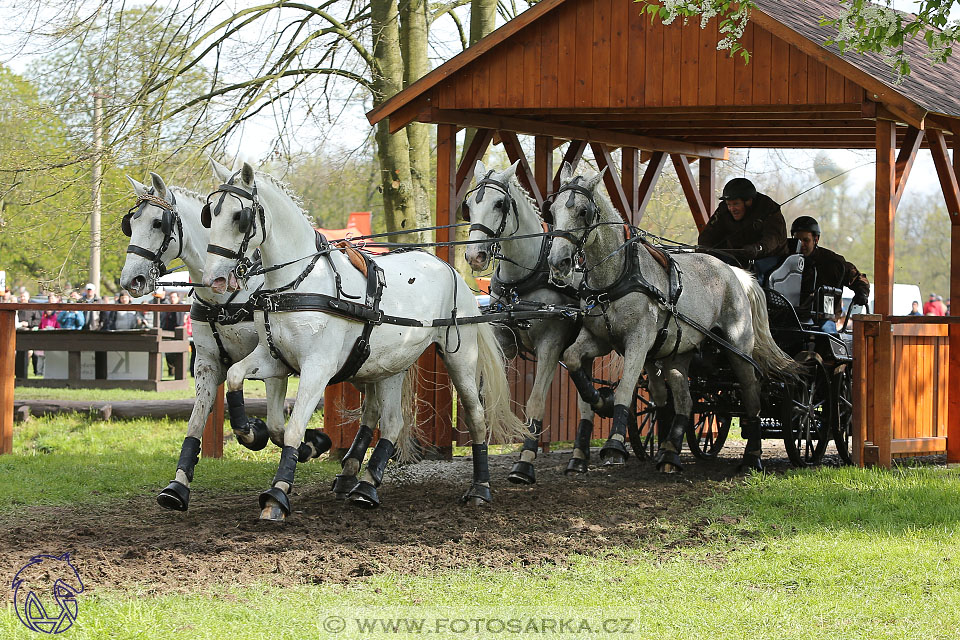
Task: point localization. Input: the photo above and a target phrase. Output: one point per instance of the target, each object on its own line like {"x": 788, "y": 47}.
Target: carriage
{"x": 806, "y": 413}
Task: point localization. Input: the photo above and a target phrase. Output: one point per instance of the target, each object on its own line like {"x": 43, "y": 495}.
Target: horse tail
{"x": 503, "y": 425}
{"x": 409, "y": 445}
{"x": 772, "y": 359}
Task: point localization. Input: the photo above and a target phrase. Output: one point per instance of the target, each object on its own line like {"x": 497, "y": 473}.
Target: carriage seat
{"x": 786, "y": 278}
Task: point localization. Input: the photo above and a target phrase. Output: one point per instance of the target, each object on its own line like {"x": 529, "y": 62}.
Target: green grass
{"x": 828, "y": 553}
{"x": 70, "y": 459}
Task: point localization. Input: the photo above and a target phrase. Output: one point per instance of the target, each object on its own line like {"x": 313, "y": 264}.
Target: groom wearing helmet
{"x": 823, "y": 267}
{"x": 746, "y": 227}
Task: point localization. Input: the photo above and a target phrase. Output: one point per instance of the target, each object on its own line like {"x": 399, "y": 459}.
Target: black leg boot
{"x": 176, "y": 495}
{"x": 251, "y": 432}
{"x": 479, "y": 491}
{"x": 582, "y": 444}
{"x": 750, "y": 430}
{"x": 614, "y": 451}
{"x": 364, "y": 494}
{"x": 344, "y": 482}
{"x": 524, "y": 472}
{"x": 667, "y": 459}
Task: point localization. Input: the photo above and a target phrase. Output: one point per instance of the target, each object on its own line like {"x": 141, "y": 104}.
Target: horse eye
{"x": 498, "y": 204}
{"x": 156, "y": 224}
{"x": 582, "y": 212}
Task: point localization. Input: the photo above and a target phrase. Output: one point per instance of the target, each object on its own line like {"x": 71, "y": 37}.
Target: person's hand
{"x": 859, "y": 299}
{"x": 750, "y": 251}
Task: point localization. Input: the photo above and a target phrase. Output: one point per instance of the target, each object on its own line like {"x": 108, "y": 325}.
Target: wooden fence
{"x": 903, "y": 391}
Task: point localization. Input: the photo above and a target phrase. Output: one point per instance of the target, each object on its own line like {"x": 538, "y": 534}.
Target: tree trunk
{"x": 392, "y": 150}
{"x": 483, "y": 17}
{"x": 413, "y": 47}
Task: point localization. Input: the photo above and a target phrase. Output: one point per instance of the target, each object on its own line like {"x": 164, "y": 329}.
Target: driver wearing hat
{"x": 746, "y": 227}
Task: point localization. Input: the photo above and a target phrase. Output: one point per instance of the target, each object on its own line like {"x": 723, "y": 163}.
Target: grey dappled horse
{"x": 505, "y": 222}
{"x": 641, "y": 327}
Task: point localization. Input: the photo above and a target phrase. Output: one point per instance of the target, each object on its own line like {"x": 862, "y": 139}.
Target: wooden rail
{"x": 213, "y": 432}
{"x": 903, "y": 388}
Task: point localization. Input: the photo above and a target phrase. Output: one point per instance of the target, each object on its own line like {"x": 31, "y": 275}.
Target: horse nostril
{"x": 138, "y": 283}
{"x": 482, "y": 256}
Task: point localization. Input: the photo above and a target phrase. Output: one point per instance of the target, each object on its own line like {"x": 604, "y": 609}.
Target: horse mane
{"x": 286, "y": 190}
{"x": 514, "y": 182}
{"x": 189, "y": 193}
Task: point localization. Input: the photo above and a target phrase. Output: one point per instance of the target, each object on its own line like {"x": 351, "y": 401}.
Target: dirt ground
{"x": 420, "y": 526}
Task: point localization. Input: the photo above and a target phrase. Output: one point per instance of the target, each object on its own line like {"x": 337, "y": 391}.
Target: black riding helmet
{"x": 805, "y": 223}
{"x": 739, "y": 189}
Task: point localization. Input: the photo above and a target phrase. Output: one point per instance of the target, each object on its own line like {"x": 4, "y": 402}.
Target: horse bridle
{"x": 507, "y": 205}
{"x": 246, "y": 222}
{"x": 589, "y": 215}
{"x": 169, "y": 220}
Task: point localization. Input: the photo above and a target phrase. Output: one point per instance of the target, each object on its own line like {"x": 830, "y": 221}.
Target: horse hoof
{"x": 315, "y": 444}
{"x": 576, "y": 465}
{"x": 669, "y": 468}
{"x": 477, "y": 494}
{"x": 667, "y": 462}
{"x": 261, "y": 436}
{"x": 274, "y": 505}
{"x": 175, "y": 497}
{"x": 364, "y": 495}
{"x": 343, "y": 485}
{"x": 522, "y": 473}
{"x": 613, "y": 459}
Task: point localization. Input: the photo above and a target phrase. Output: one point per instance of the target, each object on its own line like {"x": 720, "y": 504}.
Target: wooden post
{"x": 885, "y": 195}
{"x": 543, "y": 163}
{"x": 882, "y": 391}
{"x": 708, "y": 184}
{"x": 211, "y": 445}
{"x": 8, "y": 354}
{"x": 630, "y": 179}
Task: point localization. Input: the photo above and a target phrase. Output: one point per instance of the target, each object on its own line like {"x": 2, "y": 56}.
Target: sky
{"x": 350, "y": 129}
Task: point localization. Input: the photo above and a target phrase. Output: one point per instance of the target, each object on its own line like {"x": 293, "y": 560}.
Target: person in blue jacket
{"x": 70, "y": 319}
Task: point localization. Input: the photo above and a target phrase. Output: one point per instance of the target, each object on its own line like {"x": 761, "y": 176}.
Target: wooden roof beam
{"x": 478, "y": 146}
{"x": 649, "y": 181}
{"x": 690, "y": 190}
{"x": 946, "y": 173}
{"x": 908, "y": 153}
{"x": 535, "y": 127}
{"x": 611, "y": 180}
{"x": 572, "y": 157}
{"x": 511, "y": 145}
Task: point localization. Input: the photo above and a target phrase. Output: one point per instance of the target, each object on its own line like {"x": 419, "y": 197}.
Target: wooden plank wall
{"x": 604, "y": 54}
{"x": 920, "y": 368}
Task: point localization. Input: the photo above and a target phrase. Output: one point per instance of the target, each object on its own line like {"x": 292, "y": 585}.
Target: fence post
{"x": 211, "y": 445}
{"x": 8, "y": 351}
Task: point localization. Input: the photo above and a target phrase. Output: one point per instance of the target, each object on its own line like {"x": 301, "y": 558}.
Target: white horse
{"x": 634, "y": 306}
{"x": 320, "y": 315}
{"x": 505, "y": 222}
{"x": 165, "y": 224}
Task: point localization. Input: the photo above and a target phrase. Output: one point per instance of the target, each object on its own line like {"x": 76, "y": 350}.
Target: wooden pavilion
{"x": 596, "y": 72}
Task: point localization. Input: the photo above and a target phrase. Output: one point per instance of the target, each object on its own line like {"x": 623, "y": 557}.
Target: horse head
{"x": 492, "y": 213}
{"x": 575, "y": 213}
{"x": 156, "y": 236}
{"x": 234, "y": 215}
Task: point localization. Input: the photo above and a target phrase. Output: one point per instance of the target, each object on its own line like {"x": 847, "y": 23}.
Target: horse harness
{"x": 247, "y": 219}
{"x": 169, "y": 220}
{"x": 226, "y": 314}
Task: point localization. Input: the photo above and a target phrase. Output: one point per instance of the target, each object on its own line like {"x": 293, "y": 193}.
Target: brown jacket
{"x": 824, "y": 268}
{"x": 762, "y": 229}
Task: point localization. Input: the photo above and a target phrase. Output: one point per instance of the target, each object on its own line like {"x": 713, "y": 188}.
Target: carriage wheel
{"x": 643, "y": 429}
{"x": 844, "y": 424}
{"x": 807, "y": 420}
{"x": 707, "y": 435}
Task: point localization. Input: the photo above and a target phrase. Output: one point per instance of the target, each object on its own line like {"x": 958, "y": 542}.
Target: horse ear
{"x": 566, "y": 172}
{"x": 246, "y": 174}
{"x": 138, "y": 188}
{"x": 159, "y": 188}
{"x": 595, "y": 180}
{"x": 510, "y": 172}
{"x": 480, "y": 169}
{"x": 220, "y": 172}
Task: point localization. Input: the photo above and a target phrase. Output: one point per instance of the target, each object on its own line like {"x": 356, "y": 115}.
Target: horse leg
{"x": 614, "y": 451}
{"x": 547, "y": 356}
{"x": 346, "y": 480}
{"x": 253, "y": 433}
{"x": 389, "y": 394}
{"x": 580, "y": 459}
{"x": 583, "y": 350}
{"x": 667, "y": 459}
{"x": 275, "y": 501}
{"x": 750, "y": 422}
{"x": 209, "y": 376}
